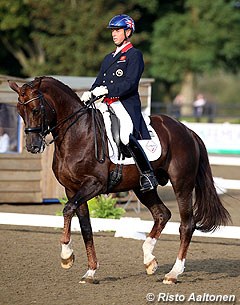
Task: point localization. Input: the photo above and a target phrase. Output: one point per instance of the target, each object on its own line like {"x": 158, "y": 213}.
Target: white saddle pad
{"x": 152, "y": 147}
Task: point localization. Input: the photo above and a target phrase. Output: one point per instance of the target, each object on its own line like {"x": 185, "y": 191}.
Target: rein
{"x": 97, "y": 123}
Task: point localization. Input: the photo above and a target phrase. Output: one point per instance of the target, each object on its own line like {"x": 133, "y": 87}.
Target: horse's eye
{"x": 35, "y": 111}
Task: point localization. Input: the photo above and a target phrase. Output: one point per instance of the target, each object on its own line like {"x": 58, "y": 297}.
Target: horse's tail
{"x": 209, "y": 213}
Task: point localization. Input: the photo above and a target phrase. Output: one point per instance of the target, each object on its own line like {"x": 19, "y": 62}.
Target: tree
{"x": 195, "y": 37}
{"x": 50, "y": 37}
{"x": 13, "y": 25}
{"x": 62, "y": 37}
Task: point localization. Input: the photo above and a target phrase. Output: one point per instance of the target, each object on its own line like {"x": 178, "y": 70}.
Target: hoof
{"x": 152, "y": 267}
{"x": 89, "y": 280}
{"x": 169, "y": 281}
{"x": 67, "y": 263}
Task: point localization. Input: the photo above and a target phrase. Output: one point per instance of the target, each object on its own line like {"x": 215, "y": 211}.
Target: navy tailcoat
{"x": 121, "y": 75}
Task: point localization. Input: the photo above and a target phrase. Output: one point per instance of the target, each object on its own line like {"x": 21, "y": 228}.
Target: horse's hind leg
{"x": 186, "y": 230}
{"x": 161, "y": 215}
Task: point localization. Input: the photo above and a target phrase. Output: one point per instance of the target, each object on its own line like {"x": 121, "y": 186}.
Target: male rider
{"x": 118, "y": 82}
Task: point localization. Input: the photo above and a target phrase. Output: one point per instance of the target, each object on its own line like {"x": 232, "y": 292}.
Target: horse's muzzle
{"x": 34, "y": 143}
{"x": 36, "y": 149}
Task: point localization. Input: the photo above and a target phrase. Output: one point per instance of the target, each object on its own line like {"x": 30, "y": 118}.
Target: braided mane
{"x": 53, "y": 80}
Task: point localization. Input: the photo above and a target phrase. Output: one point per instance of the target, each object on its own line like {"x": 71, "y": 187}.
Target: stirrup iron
{"x": 148, "y": 182}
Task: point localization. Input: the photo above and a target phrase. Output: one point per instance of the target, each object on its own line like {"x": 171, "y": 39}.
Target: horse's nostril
{"x": 35, "y": 149}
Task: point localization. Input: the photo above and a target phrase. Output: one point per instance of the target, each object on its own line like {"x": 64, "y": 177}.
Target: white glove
{"x": 99, "y": 91}
{"x": 86, "y": 96}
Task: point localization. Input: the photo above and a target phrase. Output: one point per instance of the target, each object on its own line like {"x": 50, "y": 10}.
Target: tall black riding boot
{"x": 148, "y": 180}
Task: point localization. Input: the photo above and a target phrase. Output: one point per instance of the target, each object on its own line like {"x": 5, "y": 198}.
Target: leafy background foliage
{"x": 182, "y": 40}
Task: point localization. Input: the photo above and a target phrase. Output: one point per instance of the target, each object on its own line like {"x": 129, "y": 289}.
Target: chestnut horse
{"x": 49, "y": 106}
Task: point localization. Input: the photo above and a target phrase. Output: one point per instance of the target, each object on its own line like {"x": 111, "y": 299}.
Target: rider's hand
{"x": 100, "y": 91}
{"x": 86, "y": 96}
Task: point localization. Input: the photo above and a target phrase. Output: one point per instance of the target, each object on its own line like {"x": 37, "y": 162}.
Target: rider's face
{"x": 119, "y": 36}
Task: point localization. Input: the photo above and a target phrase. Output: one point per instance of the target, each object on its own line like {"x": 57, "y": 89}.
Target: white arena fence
{"x": 222, "y": 184}
{"x": 227, "y": 161}
{"x": 128, "y": 227}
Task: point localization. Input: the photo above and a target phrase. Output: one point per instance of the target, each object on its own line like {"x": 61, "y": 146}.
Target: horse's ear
{"x": 14, "y": 86}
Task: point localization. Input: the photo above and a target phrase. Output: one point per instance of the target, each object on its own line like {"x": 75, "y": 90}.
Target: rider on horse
{"x": 118, "y": 82}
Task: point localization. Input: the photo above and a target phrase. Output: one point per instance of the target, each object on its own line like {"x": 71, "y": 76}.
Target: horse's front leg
{"x": 86, "y": 229}
{"x": 67, "y": 256}
{"x": 78, "y": 205}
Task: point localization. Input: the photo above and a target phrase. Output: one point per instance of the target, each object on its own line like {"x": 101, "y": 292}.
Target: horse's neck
{"x": 63, "y": 102}
{"x": 65, "y": 106}
{"x": 58, "y": 89}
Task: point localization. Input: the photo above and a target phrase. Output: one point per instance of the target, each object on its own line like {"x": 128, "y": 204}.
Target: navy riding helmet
{"x": 122, "y": 22}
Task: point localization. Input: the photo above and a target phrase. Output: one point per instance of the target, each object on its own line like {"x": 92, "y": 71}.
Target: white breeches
{"x": 126, "y": 124}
